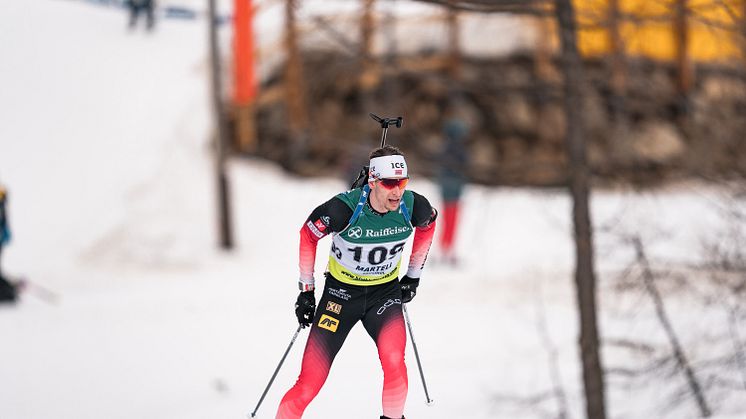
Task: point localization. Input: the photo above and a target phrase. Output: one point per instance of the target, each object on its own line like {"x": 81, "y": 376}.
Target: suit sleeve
{"x": 331, "y": 216}
{"x": 423, "y": 220}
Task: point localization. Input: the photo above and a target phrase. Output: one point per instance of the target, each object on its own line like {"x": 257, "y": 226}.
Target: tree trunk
{"x": 684, "y": 70}
{"x": 544, "y": 50}
{"x": 223, "y": 197}
{"x": 618, "y": 65}
{"x": 295, "y": 97}
{"x": 454, "y": 43}
{"x": 369, "y": 74}
{"x": 579, "y": 179}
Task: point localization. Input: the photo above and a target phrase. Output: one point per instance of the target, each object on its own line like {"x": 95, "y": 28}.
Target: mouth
{"x": 394, "y": 201}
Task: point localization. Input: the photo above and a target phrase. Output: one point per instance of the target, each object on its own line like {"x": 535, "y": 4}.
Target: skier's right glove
{"x": 305, "y": 306}
{"x": 408, "y": 288}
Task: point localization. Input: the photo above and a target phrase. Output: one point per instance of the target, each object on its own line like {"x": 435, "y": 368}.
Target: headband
{"x": 388, "y": 167}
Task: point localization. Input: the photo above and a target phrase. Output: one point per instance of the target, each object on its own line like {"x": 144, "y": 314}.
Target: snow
{"x": 104, "y": 148}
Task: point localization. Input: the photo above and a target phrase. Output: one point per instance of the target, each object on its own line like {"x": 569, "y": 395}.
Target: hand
{"x": 408, "y": 288}
{"x": 305, "y": 306}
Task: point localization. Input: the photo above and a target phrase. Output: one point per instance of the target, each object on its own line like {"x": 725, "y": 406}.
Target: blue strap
{"x": 364, "y": 199}
{"x": 404, "y": 210}
{"x": 360, "y": 205}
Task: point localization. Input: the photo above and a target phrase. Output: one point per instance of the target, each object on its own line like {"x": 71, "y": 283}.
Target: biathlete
{"x": 370, "y": 226}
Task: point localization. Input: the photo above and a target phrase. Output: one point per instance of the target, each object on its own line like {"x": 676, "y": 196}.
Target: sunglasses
{"x": 391, "y": 183}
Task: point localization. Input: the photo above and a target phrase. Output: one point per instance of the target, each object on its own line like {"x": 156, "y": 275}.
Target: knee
{"x": 392, "y": 360}
{"x": 306, "y": 392}
{"x": 309, "y": 384}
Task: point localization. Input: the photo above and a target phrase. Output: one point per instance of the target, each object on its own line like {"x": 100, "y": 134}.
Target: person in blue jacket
{"x": 8, "y": 291}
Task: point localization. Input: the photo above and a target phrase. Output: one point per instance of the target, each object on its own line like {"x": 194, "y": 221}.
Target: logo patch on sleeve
{"x": 329, "y": 323}
{"x": 320, "y": 225}
{"x": 311, "y": 226}
{"x": 333, "y": 307}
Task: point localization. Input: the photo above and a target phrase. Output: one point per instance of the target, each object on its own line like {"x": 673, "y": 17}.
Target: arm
{"x": 331, "y": 216}
{"x": 423, "y": 219}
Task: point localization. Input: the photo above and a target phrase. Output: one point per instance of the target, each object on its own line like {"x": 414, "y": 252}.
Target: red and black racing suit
{"x": 342, "y": 305}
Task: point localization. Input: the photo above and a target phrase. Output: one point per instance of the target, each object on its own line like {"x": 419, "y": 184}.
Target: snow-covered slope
{"x": 104, "y": 146}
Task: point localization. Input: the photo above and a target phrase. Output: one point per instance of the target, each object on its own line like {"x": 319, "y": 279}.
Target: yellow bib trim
{"x": 343, "y": 275}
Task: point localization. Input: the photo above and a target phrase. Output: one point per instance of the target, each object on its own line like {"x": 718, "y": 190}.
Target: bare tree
{"x": 454, "y": 44}
{"x": 550, "y": 347}
{"x": 684, "y": 69}
{"x": 295, "y": 98}
{"x": 225, "y": 227}
{"x": 618, "y": 65}
{"x": 368, "y": 73}
{"x": 678, "y": 351}
{"x": 585, "y": 279}
{"x": 708, "y": 356}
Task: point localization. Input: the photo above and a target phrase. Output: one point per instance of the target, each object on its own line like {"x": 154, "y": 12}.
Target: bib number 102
{"x": 376, "y": 255}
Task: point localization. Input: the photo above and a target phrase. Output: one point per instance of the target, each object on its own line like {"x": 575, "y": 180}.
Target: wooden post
{"x": 223, "y": 197}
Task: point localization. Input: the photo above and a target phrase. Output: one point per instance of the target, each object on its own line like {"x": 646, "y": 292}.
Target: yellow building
{"x": 716, "y": 28}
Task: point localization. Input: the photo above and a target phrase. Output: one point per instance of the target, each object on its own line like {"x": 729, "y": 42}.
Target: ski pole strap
{"x": 360, "y": 205}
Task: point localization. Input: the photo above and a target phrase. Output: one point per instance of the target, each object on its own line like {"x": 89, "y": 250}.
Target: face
{"x": 387, "y": 193}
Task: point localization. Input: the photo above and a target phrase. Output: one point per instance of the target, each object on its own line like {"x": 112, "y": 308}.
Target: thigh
{"x": 338, "y": 310}
{"x": 384, "y": 313}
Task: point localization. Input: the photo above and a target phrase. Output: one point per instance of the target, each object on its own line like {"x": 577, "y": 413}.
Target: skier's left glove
{"x": 408, "y": 288}
{"x": 305, "y": 306}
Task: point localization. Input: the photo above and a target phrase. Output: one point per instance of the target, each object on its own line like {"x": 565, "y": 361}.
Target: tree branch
{"x": 673, "y": 339}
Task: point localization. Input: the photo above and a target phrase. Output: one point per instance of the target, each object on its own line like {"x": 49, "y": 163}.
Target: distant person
{"x": 8, "y": 291}
{"x": 452, "y": 163}
{"x": 370, "y": 225}
{"x": 138, "y": 7}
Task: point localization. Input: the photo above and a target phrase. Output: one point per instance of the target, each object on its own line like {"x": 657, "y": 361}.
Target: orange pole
{"x": 244, "y": 80}
{"x": 244, "y": 86}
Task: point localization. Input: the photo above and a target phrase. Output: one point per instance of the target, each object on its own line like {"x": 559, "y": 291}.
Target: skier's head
{"x": 388, "y": 178}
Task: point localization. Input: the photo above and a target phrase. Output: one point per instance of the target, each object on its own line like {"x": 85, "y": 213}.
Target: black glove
{"x": 305, "y": 306}
{"x": 408, "y": 288}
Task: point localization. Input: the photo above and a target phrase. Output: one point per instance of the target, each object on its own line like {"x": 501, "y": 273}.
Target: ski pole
{"x": 271, "y": 380}
{"x": 429, "y": 401}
